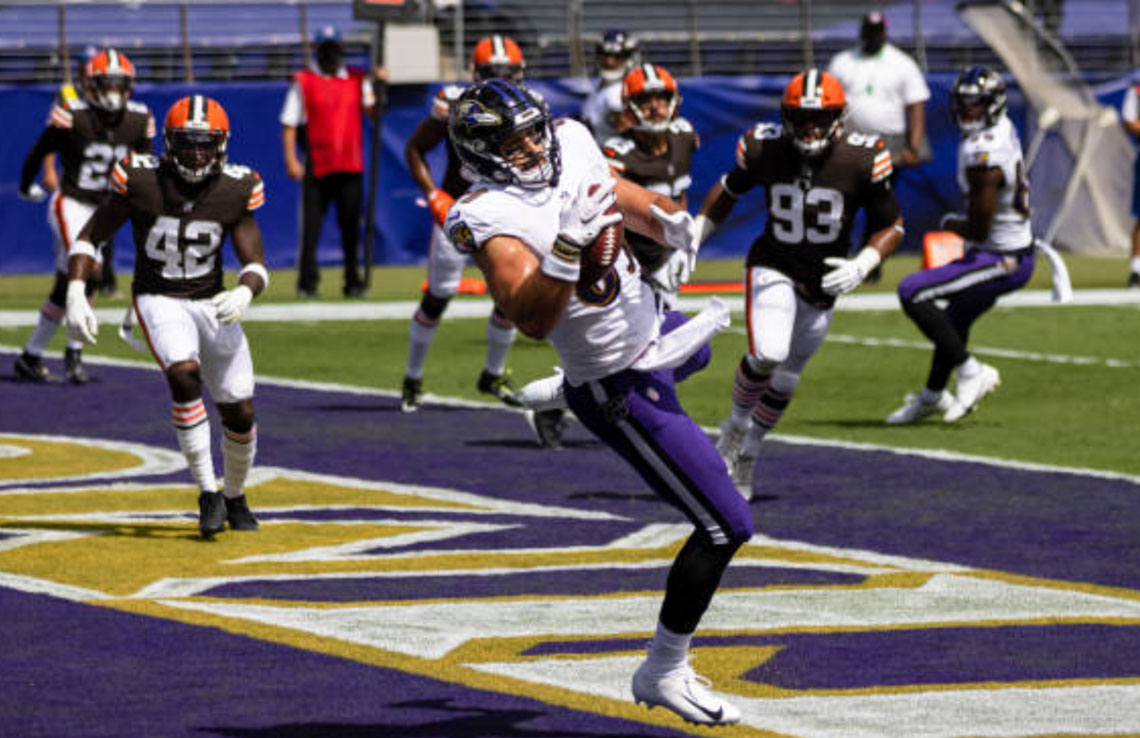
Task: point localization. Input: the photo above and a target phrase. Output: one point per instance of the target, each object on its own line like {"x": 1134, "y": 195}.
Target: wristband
{"x": 82, "y": 248}
{"x": 259, "y": 269}
{"x": 868, "y": 259}
{"x": 564, "y": 262}
{"x": 704, "y": 226}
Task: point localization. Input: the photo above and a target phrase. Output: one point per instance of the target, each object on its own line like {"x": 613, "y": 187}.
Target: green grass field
{"x": 1063, "y": 401}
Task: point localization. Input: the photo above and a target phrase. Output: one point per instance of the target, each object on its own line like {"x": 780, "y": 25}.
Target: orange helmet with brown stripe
{"x": 195, "y": 136}
{"x": 651, "y": 95}
{"x": 109, "y": 78}
{"x": 497, "y": 57}
{"x": 812, "y": 111}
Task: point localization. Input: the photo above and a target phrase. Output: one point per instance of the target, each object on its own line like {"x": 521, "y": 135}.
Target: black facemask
{"x": 873, "y": 38}
{"x": 330, "y": 56}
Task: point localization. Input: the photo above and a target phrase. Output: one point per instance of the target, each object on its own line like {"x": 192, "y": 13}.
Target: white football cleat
{"x": 684, "y": 692}
{"x": 971, "y": 390}
{"x": 915, "y": 408}
{"x": 741, "y": 470}
{"x": 730, "y": 441}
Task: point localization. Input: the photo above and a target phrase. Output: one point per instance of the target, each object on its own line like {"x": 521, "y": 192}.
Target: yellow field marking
{"x": 54, "y": 458}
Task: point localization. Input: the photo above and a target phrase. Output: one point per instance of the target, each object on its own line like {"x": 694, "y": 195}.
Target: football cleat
{"x": 238, "y": 514}
{"x": 31, "y": 368}
{"x": 684, "y": 692}
{"x": 915, "y": 408}
{"x": 548, "y": 426}
{"x": 73, "y": 365}
{"x": 410, "y": 395}
{"x": 971, "y": 390}
{"x": 1134, "y": 281}
{"x": 499, "y": 386}
{"x": 211, "y": 513}
{"x": 741, "y": 469}
{"x": 730, "y": 441}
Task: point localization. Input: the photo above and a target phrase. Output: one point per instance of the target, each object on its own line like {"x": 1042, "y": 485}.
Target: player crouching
{"x": 181, "y": 208}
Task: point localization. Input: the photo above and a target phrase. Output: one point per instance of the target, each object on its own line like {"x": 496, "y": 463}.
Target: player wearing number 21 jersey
{"x": 89, "y": 135}
{"x": 816, "y": 177}
{"x": 182, "y": 209}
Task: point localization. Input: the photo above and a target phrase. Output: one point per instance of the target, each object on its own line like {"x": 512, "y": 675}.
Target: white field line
{"x": 481, "y": 307}
{"x": 940, "y": 455}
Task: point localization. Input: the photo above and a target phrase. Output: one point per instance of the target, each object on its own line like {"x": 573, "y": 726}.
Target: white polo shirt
{"x": 878, "y": 88}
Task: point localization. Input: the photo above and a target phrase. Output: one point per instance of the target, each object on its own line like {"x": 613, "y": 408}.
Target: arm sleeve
{"x": 50, "y": 140}
{"x": 256, "y": 193}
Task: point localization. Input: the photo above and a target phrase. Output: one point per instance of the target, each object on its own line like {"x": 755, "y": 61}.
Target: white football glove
{"x": 80, "y": 318}
{"x": 684, "y": 233}
{"x": 847, "y": 274}
{"x": 34, "y": 193}
{"x": 584, "y": 218}
{"x": 673, "y": 273}
{"x": 232, "y": 304}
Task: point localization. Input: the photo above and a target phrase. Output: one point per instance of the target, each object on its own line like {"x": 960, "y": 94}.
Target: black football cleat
{"x": 31, "y": 368}
{"x": 73, "y": 365}
{"x": 1134, "y": 281}
{"x": 499, "y": 386}
{"x": 547, "y": 426}
{"x": 410, "y": 395}
{"x": 238, "y": 514}
{"x": 211, "y": 513}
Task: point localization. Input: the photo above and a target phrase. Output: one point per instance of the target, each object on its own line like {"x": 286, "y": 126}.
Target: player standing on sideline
{"x": 545, "y": 195}
{"x": 1130, "y": 114}
{"x": 182, "y": 207}
{"x": 816, "y": 178}
{"x": 944, "y": 302}
{"x": 494, "y": 57}
{"x": 89, "y": 135}
{"x": 603, "y": 111}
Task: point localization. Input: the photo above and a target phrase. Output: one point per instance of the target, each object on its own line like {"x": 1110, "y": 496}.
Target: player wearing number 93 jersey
{"x": 89, "y": 135}
{"x": 816, "y": 177}
{"x": 182, "y": 208}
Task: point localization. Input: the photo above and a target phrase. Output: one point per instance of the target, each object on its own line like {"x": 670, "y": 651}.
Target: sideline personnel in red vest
{"x": 327, "y": 100}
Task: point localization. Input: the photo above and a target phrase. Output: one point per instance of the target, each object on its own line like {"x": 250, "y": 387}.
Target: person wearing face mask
{"x": 602, "y": 110}
{"x": 326, "y": 100}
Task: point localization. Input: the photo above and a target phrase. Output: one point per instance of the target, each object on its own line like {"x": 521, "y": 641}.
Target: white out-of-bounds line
{"x": 775, "y": 437}
{"x": 980, "y": 350}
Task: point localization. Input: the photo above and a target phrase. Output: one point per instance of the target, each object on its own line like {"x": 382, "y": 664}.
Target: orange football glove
{"x": 439, "y": 202}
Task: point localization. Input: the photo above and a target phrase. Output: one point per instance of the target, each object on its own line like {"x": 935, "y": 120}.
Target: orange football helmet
{"x": 497, "y": 57}
{"x": 812, "y": 111}
{"x": 195, "y": 136}
{"x": 651, "y": 95}
{"x": 108, "y": 80}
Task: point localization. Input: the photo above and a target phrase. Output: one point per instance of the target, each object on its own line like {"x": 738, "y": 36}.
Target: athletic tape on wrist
{"x": 82, "y": 248}
{"x": 564, "y": 262}
{"x": 259, "y": 270}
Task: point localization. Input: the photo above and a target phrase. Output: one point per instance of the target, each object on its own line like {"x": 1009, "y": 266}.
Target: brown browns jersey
{"x": 812, "y": 201}
{"x": 667, "y": 174}
{"x": 89, "y": 144}
{"x": 179, "y": 230}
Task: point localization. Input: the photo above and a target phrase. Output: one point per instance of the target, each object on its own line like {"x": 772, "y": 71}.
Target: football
{"x": 599, "y": 257}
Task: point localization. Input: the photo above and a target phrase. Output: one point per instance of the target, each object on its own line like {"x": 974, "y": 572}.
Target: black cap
{"x": 874, "y": 21}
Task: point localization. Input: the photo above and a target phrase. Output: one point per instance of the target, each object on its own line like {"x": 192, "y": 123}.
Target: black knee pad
{"x": 433, "y": 306}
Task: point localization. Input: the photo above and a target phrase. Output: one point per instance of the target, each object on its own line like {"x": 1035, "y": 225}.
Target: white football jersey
{"x": 1000, "y": 146}
{"x": 599, "y": 109}
{"x": 605, "y": 327}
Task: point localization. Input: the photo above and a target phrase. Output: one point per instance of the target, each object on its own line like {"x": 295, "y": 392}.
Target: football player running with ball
{"x": 182, "y": 207}
{"x": 89, "y": 135}
{"x": 816, "y": 178}
{"x": 544, "y": 201}
{"x": 494, "y": 57}
{"x": 944, "y": 302}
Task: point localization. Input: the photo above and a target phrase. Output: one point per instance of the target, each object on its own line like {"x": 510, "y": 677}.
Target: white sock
{"x": 969, "y": 368}
{"x": 420, "y": 338}
{"x": 544, "y": 394}
{"x": 669, "y": 650}
{"x": 50, "y": 318}
{"x": 238, "y": 451}
{"x": 1135, "y": 268}
{"x": 500, "y": 336}
{"x": 192, "y": 427}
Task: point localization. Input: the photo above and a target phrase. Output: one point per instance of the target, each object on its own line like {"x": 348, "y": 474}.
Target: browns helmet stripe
{"x": 810, "y": 97}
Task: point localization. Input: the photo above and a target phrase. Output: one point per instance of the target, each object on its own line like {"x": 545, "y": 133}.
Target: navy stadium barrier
{"x": 720, "y": 108}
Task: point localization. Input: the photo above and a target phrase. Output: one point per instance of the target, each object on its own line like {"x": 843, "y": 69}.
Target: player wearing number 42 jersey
{"x": 816, "y": 178}
{"x": 89, "y": 136}
{"x": 182, "y": 208}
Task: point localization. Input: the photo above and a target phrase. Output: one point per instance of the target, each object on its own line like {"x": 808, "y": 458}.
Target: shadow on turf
{"x": 122, "y": 530}
{"x": 529, "y": 445}
{"x": 473, "y": 722}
